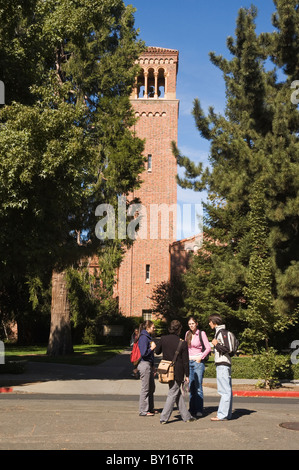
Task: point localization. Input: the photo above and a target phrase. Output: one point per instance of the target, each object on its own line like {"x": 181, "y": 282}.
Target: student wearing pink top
{"x": 199, "y": 348}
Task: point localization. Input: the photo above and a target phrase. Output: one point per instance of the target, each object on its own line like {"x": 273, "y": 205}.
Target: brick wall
{"x": 157, "y": 123}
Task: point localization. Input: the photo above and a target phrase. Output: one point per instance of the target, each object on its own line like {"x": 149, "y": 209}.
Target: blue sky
{"x": 195, "y": 28}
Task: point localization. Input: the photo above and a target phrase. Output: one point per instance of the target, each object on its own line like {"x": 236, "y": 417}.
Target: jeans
{"x": 146, "y": 399}
{"x": 224, "y": 386}
{"x": 196, "y": 372}
{"x": 175, "y": 396}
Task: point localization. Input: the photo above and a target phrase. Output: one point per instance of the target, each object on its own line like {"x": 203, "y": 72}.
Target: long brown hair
{"x": 144, "y": 325}
{"x": 189, "y": 333}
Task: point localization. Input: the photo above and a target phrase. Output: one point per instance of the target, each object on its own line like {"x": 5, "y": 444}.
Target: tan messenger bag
{"x": 166, "y": 368}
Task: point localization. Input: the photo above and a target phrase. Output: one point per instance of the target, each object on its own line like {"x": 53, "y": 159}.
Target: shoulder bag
{"x": 166, "y": 368}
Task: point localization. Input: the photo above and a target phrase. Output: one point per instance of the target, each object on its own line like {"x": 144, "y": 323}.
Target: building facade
{"x": 180, "y": 252}
{"x": 147, "y": 262}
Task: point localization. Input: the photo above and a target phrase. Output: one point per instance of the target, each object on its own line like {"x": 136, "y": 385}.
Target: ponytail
{"x": 143, "y": 326}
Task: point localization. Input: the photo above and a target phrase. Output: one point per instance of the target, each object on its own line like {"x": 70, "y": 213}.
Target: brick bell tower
{"x": 147, "y": 262}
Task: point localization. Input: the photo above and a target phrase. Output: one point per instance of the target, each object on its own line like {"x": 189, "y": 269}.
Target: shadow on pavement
{"x": 117, "y": 368}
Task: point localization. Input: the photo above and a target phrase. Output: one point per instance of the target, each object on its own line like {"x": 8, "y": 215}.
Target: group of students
{"x": 189, "y": 368}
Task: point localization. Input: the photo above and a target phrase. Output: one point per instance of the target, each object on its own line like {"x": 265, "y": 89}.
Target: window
{"x": 147, "y": 273}
{"x": 146, "y": 314}
{"x": 149, "y": 163}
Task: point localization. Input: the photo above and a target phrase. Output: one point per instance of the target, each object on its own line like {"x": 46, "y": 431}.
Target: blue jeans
{"x": 196, "y": 372}
{"x": 224, "y": 386}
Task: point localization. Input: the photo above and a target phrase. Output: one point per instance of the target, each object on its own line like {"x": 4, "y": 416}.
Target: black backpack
{"x": 230, "y": 341}
{"x": 203, "y": 348}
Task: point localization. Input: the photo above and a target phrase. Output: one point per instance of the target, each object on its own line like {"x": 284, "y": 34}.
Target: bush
{"x": 273, "y": 368}
{"x": 242, "y": 368}
{"x": 93, "y": 332}
{"x": 249, "y": 367}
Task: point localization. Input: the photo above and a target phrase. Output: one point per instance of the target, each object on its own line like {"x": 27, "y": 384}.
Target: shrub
{"x": 272, "y": 368}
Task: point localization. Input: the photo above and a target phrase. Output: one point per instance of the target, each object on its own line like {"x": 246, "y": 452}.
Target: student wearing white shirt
{"x": 223, "y": 368}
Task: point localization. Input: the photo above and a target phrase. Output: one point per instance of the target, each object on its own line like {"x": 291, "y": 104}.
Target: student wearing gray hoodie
{"x": 223, "y": 368}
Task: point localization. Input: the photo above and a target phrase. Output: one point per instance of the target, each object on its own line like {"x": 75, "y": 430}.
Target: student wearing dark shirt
{"x": 168, "y": 346}
{"x": 146, "y": 369}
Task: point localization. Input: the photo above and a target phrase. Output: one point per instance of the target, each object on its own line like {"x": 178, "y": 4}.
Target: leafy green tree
{"x": 90, "y": 293}
{"x": 255, "y": 140}
{"x": 65, "y": 135}
{"x": 209, "y": 288}
{"x": 260, "y": 313}
{"x": 167, "y": 299}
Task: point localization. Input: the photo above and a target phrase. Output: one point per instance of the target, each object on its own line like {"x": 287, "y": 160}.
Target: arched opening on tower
{"x": 141, "y": 84}
{"x": 151, "y": 83}
{"x": 161, "y": 83}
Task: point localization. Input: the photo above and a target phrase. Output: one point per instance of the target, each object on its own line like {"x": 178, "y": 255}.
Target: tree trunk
{"x": 60, "y": 340}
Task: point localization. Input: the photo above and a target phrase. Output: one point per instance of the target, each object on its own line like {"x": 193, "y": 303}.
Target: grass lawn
{"x": 83, "y": 354}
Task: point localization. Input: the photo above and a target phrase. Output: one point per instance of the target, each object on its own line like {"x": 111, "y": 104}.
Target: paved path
{"x": 110, "y": 377}
{"x": 96, "y": 408}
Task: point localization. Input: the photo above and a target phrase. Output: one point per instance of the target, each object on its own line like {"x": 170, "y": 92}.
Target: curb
{"x": 6, "y": 389}
{"x": 265, "y": 393}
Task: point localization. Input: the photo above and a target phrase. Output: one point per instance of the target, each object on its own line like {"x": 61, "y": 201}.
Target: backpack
{"x": 203, "y": 348}
{"x": 135, "y": 354}
{"x": 230, "y": 341}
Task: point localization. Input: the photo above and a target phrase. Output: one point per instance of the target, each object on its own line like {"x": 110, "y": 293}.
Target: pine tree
{"x": 283, "y": 167}
{"x": 255, "y": 140}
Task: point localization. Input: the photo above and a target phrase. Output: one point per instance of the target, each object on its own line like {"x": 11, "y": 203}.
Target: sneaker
{"x": 190, "y": 420}
{"x": 198, "y": 414}
{"x": 163, "y": 422}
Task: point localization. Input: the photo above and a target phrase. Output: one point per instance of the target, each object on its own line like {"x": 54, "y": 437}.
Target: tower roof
{"x": 160, "y": 50}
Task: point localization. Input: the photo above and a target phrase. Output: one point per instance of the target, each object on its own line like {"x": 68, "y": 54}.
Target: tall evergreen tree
{"x": 255, "y": 140}
{"x": 65, "y": 136}
{"x": 260, "y": 314}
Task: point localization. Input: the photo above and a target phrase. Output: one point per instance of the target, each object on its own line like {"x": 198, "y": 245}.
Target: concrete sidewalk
{"x": 112, "y": 377}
